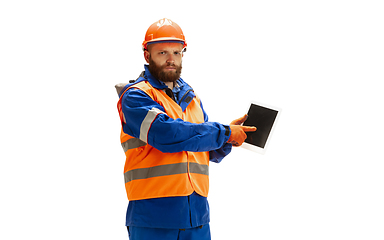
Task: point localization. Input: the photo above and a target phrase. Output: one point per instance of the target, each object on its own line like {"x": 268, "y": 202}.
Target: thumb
{"x": 239, "y": 121}
{"x": 248, "y": 129}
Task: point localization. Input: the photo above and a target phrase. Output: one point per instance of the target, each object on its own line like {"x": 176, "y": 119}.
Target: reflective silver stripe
{"x": 124, "y": 119}
{"x": 164, "y": 170}
{"x": 198, "y": 168}
{"x": 147, "y": 122}
{"x": 132, "y": 143}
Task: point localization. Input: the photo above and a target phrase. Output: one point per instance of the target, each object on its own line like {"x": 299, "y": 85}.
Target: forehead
{"x": 165, "y": 46}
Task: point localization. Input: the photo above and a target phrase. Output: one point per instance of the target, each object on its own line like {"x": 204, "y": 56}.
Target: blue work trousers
{"x": 142, "y": 233}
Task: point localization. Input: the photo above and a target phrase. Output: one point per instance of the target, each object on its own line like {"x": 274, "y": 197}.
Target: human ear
{"x": 146, "y": 55}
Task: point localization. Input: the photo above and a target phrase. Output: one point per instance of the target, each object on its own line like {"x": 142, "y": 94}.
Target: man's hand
{"x": 238, "y": 132}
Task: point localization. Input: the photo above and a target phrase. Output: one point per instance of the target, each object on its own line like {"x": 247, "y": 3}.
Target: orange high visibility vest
{"x": 150, "y": 173}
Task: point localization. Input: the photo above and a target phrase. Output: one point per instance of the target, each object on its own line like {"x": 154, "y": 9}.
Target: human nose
{"x": 170, "y": 58}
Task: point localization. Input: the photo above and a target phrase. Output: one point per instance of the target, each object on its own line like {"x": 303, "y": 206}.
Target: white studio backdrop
{"x": 61, "y": 171}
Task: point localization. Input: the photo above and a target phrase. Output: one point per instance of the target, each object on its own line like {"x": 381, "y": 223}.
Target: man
{"x": 168, "y": 143}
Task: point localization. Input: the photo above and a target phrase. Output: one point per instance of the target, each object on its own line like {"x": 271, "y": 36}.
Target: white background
{"x": 61, "y": 170}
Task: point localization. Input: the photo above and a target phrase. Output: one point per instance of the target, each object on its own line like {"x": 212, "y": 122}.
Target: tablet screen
{"x": 263, "y": 118}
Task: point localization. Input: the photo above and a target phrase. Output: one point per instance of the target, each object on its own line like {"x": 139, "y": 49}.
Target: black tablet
{"x": 264, "y": 119}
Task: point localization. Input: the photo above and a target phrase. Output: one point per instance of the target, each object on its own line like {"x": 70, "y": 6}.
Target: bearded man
{"x": 169, "y": 142}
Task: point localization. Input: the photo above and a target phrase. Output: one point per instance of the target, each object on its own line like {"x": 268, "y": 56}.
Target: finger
{"x": 239, "y": 121}
{"x": 234, "y": 143}
{"x": 235, "y": 122}
{"x": 249, "y": 129}
{"x": 242, "y": 119}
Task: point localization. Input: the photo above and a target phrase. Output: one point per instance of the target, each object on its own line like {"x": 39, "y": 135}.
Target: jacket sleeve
{"x": 147, "y": 120}
{"x": 217, "y": 155}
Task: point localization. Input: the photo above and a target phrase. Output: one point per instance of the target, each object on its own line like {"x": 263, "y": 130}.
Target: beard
{"x": 159, "y": 73}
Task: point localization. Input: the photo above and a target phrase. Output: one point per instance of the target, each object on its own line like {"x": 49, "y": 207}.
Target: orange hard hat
{"x": 164, "y": 30}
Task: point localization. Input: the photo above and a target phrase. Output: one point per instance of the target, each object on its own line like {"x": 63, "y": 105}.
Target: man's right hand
{"x": 238, "y": 134}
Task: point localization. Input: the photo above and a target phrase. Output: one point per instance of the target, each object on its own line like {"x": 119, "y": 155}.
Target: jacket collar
{"x": 182, "y": 90}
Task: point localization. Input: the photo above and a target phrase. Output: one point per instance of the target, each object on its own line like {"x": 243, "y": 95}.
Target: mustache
{"x": 170, "y": 64}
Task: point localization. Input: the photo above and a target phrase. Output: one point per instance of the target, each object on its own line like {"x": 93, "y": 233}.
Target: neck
{"x": 170, "y": 84}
